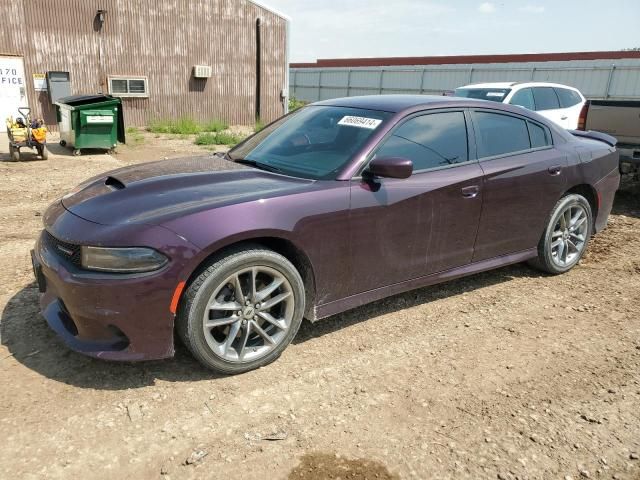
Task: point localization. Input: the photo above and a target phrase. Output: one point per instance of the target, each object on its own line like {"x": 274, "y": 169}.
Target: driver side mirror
{"x": 390, "y": 167}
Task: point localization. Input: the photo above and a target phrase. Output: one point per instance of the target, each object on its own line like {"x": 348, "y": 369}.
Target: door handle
{"x": 471, "y": 191}
{"x": 564, "y": 118}
{"x": 555, "y": 170}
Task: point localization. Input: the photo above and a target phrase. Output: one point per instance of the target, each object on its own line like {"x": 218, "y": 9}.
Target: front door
{"x": 405, "y": 229}
{"x": 13, "y": 88}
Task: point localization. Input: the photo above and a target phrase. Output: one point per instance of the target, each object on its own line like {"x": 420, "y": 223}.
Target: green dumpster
{"x": 90, "y": 121}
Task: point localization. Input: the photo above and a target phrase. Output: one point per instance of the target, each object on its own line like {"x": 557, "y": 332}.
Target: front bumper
{"x": 110, "y": 316}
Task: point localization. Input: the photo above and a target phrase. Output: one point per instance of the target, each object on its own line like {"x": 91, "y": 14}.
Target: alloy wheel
{"x": 249, "y": 314}
{"x": 569, "y": 236}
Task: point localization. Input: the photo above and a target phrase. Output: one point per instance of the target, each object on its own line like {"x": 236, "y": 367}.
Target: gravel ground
{"x": 507, "y": 374}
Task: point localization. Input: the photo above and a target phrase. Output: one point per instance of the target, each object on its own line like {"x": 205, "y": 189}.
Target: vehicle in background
{"x": 621, "y": 119}
{"x": 559, "y": 103}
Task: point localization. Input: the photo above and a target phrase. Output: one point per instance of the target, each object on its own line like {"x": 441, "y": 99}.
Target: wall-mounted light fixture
{"x": 100, "y": 15}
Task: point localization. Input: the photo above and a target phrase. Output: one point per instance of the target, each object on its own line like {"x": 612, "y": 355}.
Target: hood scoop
{"x": 114, "y": 184}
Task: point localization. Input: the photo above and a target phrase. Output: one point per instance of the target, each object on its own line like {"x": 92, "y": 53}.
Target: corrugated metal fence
{"x": 596, "y": 79}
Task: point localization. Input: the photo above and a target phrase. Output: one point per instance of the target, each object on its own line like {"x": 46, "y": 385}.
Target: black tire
{"x": 63, "y": 143}
{"x": 14, "y": 153}
{"x": 193, "y": 307}
{"x": 546, "y": 260}
{"x": 43, "y": 152}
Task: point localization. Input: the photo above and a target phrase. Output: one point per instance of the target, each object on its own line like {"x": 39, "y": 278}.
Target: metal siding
{"x": 159, "y": 40}
{"x": 589, "y": 76}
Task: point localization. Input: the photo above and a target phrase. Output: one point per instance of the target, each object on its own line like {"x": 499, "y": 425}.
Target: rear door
{"x": 405, "y": 229}
{"x": 523, "y": 98}
{"x": 548, "y": 105}
{"x": 13, "y": 88}
{"x": 524, "y": 176}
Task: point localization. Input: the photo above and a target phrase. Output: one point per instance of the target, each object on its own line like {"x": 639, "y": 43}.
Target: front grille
{"x": 68, "y": 251}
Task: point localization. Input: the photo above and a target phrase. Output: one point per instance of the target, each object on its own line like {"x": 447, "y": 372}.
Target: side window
{"x": 500, "y": 134}
{"x": 540, "y": 137}
{"x": 429, "y": 141}
{"x": 568, "y": 98}
{"x": 545, "y": 98}
{"x": 523, "y": 98}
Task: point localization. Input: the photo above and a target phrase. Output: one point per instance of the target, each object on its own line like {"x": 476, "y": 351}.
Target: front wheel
{"x": 242, "y": 311}
{"x": 566, "y": 236}
{"x": 14, "y": 153}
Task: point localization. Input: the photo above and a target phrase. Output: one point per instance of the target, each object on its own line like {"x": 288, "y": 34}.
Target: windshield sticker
{"x": 360, "y": 122}
{"x": 495, "y": 94}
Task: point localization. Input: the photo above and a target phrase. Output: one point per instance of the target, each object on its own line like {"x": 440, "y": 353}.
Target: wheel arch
{"x": 590, "y": 193}
{"x": 278, "y": 244}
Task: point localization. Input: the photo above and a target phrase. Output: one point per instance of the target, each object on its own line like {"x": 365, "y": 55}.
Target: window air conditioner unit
{"x": 202, "y": 71}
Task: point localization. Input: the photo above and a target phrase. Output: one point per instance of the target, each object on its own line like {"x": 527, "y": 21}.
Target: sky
{"x": 393, "y": 28}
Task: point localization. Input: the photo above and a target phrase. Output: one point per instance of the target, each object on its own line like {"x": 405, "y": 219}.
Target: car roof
{"x": 518, "y": 85}
{"x": 491, "y": 85}
{"x": 397, "y": 103}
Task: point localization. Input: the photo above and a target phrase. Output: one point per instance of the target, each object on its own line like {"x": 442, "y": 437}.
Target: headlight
{"x": 122, "y": 260}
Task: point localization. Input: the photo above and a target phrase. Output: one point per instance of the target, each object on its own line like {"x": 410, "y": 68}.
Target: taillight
{"x": 582, "y": 118}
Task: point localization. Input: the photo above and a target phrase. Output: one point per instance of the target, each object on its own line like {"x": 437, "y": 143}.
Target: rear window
{"x": 568, "y": 98}
{"x": 491, "y": 94}
{"x": 546, "y": 98}
{"x": 500, "y": 134}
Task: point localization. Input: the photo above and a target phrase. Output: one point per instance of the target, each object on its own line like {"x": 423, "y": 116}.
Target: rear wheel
{"x": 242, "y": 311}
{"x": 43, "y": 152}
{"x": 566, "y": 236}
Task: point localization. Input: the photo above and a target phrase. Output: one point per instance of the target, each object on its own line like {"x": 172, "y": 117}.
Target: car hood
{"x": 152, "y": 193}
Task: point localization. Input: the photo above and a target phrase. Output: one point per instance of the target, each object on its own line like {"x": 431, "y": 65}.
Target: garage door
{"x": 13, "y": 88}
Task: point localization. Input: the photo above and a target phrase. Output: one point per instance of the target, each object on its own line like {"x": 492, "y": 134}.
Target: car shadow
{"x": 31, "y": 342}
{"x": 411, "y": 299}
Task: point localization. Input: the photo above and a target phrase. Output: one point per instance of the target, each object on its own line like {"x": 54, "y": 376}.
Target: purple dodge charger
{"x": 338, "y": 204}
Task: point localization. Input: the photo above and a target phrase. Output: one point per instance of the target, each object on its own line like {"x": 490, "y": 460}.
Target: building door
{"x": 13, "y": 88}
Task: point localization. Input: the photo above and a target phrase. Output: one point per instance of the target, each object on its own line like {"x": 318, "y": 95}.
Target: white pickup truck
{"x": 620, "y": 119}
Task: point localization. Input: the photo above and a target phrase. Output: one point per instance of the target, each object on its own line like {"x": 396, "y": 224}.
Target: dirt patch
{"x": 508, "y": 373}
{"x": 323, "y": 466}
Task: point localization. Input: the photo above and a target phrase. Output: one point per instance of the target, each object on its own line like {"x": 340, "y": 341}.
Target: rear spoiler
{"x": 593, "y": 135}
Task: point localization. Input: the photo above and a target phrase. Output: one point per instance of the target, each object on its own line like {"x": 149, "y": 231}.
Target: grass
{"x": 259, "y": 125}
{"x": 186, "y": 126}
{"x": 134, "y": 136}
{"x": 214, "y": 126}
{"x": 219, "y": 138}
{"x": 295, "y": 104}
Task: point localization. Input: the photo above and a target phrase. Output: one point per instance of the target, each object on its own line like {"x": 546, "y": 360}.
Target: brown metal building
{"x": 146, "y": 52}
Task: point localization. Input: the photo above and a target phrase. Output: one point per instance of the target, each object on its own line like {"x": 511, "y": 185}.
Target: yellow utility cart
{"x": 25, "y": 132}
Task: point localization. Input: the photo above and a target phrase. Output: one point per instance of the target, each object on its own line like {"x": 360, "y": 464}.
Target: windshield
{"x": 492, "y": 94}
{"x": 314, "y": 142}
